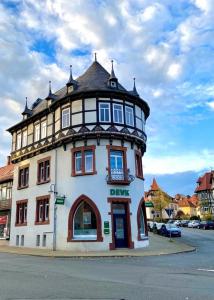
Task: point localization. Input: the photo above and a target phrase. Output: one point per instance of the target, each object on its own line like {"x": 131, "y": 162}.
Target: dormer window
{"x": 113, "y": 84}
{"x": 70, "y": 89}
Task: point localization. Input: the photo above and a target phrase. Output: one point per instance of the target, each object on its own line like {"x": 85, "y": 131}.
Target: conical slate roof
{"x": 95, "y": 78}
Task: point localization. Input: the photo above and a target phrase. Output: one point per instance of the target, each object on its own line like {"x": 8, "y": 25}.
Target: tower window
{"x": 129, "y": 116}
{"x": 104, "y": 112}
{"x": 118, "y": 113}
{"x": 83, "y": 161}
{"x": 65, "y": 118}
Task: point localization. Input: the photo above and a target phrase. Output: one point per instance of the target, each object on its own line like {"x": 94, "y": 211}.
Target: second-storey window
{"x": 118, "y": 113}
{"x": 21, "y": 212}
{"x": 42, "y": 210}
{"x": 43, "y": 171}
{"x": 24, "y": 138}
{"x": 129, "y": 116}
{"x": 117, "y": 167}
{"x": 65, "y": 117}
{"x": 36, "y": 132}
{"x": 138, "y": 165}
{"x": 43, "y": 130}
{"x": 83, "y": 159}
{"x": 19, "y": 141}
{"x": 104, "y": 112}
{"x": 23, "y": 179}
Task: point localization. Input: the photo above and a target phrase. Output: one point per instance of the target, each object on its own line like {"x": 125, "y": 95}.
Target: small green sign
{"x": 149, "y": 204}
{"x": 119, "y": 192}
{"x": 60, "y": 200}
{"x": 106, "y": 227}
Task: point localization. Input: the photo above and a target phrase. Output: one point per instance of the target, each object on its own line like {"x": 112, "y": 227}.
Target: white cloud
{"x": 174, "y": 70}
{"x": 211, "y": 105}
{"x": 170, "y": 164}
{"x": 13, "y": 105}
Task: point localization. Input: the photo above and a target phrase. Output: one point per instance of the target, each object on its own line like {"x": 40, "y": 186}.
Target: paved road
{"x": 186, "y": 276}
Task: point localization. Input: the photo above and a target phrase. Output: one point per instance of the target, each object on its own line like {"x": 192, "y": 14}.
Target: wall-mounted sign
{"x": 119, "y": 192}
{"x": 60, "y": 200}
{"x": 106, "y": 227}
{"x": 149, "y": 204}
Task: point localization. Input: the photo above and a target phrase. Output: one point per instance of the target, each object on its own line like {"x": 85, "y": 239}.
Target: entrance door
{"x": 120, "y": 226}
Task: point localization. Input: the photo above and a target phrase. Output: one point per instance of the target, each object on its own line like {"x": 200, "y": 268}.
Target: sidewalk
{"x": 158, "y": 246}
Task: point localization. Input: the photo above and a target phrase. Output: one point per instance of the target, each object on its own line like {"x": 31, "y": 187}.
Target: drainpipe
{"x": 55, "y": 206}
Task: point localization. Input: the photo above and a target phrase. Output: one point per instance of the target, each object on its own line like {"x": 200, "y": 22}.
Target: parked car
{"x": 184, "y": 223}
{"x": 156, "y": 227}
{"x": 206, "y": 225}
{"x": 150, "y": 225}
{"x": 193, "y": 224}
{"x": 166, "y": 229}
{"x": 177, "y": 222}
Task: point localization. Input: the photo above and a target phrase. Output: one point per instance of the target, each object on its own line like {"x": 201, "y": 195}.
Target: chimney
{"x": 8, "y": 160}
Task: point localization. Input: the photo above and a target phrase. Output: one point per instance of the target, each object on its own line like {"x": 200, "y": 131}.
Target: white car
{"x": 193, "y": 224}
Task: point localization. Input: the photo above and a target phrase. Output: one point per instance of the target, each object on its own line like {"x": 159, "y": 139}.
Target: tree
{"x": 160, "y": 200}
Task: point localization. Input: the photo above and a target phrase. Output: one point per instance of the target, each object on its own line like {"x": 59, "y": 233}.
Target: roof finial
{"x": 26, "y": 106}
{"x": 50, "y": 87}
{"x": 112, "y": 76}
{"x": 95, "y": 56}
{"x": 26, "y": 111}
{"x": 134, "y": 88}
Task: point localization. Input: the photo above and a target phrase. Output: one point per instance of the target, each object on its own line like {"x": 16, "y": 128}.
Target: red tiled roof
{"x": 194, "y": 199}
{"x": 204, "y": 182}
{"x": 185, "y": 202}
{"x": 154, "y": 185}
{"x": 6, "y": 172}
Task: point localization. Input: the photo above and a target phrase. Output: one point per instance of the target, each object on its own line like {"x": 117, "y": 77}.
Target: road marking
{"x": 205, "y": 270}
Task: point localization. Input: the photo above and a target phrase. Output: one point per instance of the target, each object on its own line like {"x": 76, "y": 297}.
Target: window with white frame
{"x": 118, "y": 113}
{"x": 36, "y": 132}
{"x": 19, "y": 141}
{"x": 66, "y": 117}
{"x": 88, "y": 161}
{"x": 129, "y": 116}
{"x": 104, "y": 112}
{"x": 24, "y": 138}
{"x": 43, "y": 129}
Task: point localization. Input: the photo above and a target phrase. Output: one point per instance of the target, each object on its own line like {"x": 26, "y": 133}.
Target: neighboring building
{"x": 188, "y": 206}
{"x": 157, "y": 201}
{"x": 6, "y": 182}
{"x": 205, "y": 192}
{"x": 81, "y": 147}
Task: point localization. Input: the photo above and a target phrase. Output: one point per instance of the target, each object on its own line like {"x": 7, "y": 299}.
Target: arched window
{"x": 84, "y": 222}
{"x": 141, "y": 221}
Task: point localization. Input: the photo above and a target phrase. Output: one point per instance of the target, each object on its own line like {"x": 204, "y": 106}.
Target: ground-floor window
{"x": 84, "y": 222}
{"x": 141, "y": 221}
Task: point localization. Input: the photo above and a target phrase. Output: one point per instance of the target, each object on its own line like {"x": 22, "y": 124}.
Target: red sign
{"x": 3, "y": 220}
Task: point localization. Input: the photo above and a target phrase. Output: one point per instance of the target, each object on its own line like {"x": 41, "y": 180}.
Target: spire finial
{"x": 95, "y": 56}
{"x": 112, "y": 76}
{"x": 134, "y": 88}
{"x": 50, "y": 87}
{"x": 25, "y": 102}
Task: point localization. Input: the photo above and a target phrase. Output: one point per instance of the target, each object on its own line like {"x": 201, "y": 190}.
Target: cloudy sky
{"x": 167, "y": 45}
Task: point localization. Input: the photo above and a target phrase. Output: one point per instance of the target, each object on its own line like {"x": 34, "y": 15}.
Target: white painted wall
{"x": 94, "y": 186}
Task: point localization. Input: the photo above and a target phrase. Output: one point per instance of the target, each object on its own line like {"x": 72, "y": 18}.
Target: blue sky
{"x": 167, "y": 45}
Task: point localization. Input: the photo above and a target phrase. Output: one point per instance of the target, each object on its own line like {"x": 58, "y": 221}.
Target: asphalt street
{"x": 188, "y": 276}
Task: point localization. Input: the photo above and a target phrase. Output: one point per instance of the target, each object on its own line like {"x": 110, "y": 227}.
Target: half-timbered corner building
{"x": 78, "y": 177}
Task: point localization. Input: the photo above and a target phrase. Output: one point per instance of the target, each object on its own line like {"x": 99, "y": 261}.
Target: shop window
{"x": 83, "y": 161}
{"x": 129, "y": 114}
{"x": 38, "y": 240}
{"x": 104, "y": 112}
{"x": 65, "y": 117}
{"x": 117, "y": 169}
{"x": 138, "y": 164}
{"x": 42, "y": 210}
{"x": 141, "y": 220}
{"x": 17, "y": 240}
{"x": 22, "y": 240}
{"x": 84, "y": 221}
{"x": 118, "y": 113}
{"x": 21, "y": 213}
{"x": 43, "y": 171}
{"x": 23, "y": 179}
{"x": 85, "y": 224}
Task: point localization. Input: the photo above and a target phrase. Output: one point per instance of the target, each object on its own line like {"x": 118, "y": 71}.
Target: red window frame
{"x": 23, "y": 177}
{"x": 21, "y": 212}
{"x": 42, "y": 203}
{"x": 82, "y": 150}
{"x": 138, "y": 165}
{"x": 43, "y": 170}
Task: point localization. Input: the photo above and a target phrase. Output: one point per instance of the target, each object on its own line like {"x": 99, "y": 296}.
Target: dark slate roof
{"x": 95, "y": 78}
